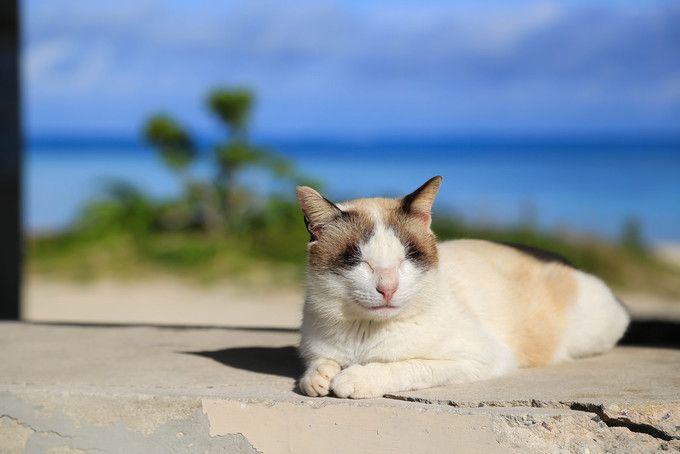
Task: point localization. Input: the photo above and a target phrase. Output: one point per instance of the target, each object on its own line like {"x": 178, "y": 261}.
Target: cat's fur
{"x": 388, "y": 309}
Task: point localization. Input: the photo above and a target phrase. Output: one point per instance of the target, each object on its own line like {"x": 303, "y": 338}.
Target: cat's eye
{"x": 351, "y": 256}
{"x": 414, "y": 254}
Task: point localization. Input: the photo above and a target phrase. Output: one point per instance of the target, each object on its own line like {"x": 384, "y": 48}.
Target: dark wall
{"x": 10, "y": 161}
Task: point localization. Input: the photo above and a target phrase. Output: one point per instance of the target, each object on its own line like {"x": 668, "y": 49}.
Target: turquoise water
{"x": 584, "y": 186}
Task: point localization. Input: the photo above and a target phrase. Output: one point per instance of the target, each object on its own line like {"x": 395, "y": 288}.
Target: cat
{"x": 388, "y": 309}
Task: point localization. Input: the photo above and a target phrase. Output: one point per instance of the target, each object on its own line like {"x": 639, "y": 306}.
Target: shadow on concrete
{"x": 653, "y": 333}
{"x": 273, "y": 329}
{"x": 282, "y": 361}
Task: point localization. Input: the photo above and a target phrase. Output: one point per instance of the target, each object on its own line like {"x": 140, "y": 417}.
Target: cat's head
{"x": 369, "y": 258}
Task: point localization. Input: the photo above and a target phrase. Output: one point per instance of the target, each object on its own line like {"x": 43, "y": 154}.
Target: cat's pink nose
{"x": 387, "y": 291}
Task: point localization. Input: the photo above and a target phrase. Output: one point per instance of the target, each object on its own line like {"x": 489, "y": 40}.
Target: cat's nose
{"x": 387, "y": 291}
{"x": 387, "y": 281}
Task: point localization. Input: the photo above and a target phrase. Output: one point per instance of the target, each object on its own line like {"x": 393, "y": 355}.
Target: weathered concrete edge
{"x": 40, "y": 420}
{"x": 658, "y": 419}
{"x": 43, "y": 422}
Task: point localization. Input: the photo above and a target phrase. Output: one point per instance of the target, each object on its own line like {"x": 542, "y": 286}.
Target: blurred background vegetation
{"x": 221, "y": 227}
{"x": 554, "y": 125}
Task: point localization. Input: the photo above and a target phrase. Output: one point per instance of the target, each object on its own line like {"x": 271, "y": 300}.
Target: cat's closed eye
{"x": 414, "y": 253}
{"x": 351, "y": 256}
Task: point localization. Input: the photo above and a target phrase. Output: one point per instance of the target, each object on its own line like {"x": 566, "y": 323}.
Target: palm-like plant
{"x": 232, "y": 107}
{"x": 171, "y": 140}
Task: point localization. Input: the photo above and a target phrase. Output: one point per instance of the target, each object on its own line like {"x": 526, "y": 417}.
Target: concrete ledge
{"x": 146, "y": 389}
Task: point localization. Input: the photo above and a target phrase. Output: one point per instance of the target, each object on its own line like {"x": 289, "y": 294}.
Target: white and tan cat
{"x": 388, "y": 309}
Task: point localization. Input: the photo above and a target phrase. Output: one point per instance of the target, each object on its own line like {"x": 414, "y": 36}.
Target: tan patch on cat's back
{"x": 529, "y": 299}
{"x": 543, "y": 294}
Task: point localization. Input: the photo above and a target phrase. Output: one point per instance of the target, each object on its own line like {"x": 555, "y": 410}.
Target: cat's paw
{"x": 317, "y": 379}
{"x": 358, "y": 382}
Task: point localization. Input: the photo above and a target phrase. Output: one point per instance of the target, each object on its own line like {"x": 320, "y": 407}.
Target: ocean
{"x": 585, "y": 185}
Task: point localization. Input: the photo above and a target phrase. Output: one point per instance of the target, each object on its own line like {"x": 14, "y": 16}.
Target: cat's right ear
{"x": 419, "y": 202}
{"x": 317, "y": 209}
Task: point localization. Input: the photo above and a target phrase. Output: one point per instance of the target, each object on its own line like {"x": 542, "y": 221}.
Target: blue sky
{"x": 356, "y": 68}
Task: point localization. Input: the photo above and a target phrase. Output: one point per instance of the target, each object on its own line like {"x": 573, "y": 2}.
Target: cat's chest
{"x": 364, "y": 342}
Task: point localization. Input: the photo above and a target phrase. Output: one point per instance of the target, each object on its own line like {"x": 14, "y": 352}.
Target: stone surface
{"x": 151, "y": 389}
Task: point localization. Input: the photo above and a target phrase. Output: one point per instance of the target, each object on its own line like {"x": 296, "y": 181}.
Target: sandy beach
{"x": 160, "y": 301}
{"x": 167, "y": 302}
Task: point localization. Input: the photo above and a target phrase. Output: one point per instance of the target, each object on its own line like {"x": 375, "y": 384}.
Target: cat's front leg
{"x": 377, "y": 379}
{"x": 316, "y": 381}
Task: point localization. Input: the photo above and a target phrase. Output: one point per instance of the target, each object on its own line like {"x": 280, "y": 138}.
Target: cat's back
{"x": 539, "y": 303}
{"x": 499, "y": 264}
{"x": 497, "y": 254}
{"x": 492, "y": 278}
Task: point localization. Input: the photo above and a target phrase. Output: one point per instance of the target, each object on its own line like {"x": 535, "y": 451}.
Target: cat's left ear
{"x": 419, "y": 202}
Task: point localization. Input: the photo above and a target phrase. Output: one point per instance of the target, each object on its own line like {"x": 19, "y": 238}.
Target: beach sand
{"x": 160, "y": 301}
{"x": 167, "y": 302}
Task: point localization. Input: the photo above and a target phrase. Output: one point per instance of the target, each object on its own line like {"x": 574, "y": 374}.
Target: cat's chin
{"x": 383, "y": 308}
{"x": 381, "y": 311}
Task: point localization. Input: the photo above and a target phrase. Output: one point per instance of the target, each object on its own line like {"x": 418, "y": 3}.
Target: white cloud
{"x": 41, "y": 57}
{"x": 60, "y": 68}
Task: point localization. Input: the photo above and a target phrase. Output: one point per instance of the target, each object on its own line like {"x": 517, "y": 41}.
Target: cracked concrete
{"x": 147, "y": 389}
